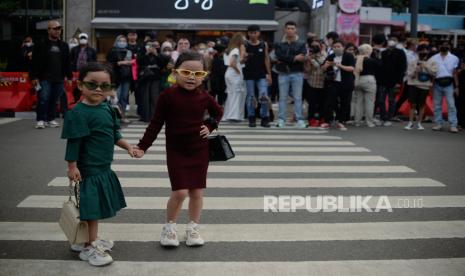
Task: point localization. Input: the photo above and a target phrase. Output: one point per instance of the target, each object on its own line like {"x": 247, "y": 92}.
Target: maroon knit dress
{"x": 183, "y": 112}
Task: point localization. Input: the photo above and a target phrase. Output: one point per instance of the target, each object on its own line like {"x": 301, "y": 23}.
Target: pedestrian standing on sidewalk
{"x": 50, "y": 66}
{"x": 445, "y": 86}
{"x": 419, "y": 80}
{"x": 291, "y": 54}
{"x": 234, "y": 57}
{"x": 365, "y": 85}
{"x": 182, "y": 108}
{"x": 257, "y": 73}
{"x": 340, "y": 78}
{"x": 91, "y": 130}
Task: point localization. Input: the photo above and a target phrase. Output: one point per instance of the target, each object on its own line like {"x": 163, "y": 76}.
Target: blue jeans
{"x": 47, "y": 99}
{"x": 262, "y": 97}
{"x": 381, "y": 95}
{"x": 123, "y": 94}
{"x": 448, "y": 92}
{"x": 296, "y": 82}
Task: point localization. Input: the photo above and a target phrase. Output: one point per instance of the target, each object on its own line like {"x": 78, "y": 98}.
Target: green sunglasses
{"x": 105, "y": 87}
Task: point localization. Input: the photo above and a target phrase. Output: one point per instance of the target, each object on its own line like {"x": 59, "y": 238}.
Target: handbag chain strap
{"x": 74, "y": 187}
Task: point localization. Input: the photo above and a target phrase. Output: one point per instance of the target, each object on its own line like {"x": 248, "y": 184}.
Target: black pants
{"x": 315, "y": 99}
{"x": 460, "y": 105}
{"x": 403, "y": 97}
{"x": 337, "y": 100}
{"x": 148, "y": 91}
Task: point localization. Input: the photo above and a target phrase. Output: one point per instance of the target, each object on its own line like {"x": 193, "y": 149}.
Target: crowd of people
{"x": 334, "y": 83}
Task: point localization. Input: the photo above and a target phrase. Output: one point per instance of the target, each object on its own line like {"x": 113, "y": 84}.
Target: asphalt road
{"x": 242, "y": 238}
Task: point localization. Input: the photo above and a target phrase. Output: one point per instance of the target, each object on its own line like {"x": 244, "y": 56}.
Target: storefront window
{"x": 456, "y": 7}
{"x": 432, "y": 6}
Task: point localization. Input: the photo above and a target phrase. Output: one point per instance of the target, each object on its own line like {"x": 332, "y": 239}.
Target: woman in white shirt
{"x": 235, "y": 85}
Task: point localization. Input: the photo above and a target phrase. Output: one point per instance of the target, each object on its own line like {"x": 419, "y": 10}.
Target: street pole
{"x": 414, "y": 18}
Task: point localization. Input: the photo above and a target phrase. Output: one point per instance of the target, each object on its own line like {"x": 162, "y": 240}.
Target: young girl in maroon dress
{"x": 182, "y": 110}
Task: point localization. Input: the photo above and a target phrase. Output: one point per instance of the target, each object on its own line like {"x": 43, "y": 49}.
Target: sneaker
{"x": 387, "y": 123}
{"x": 53, "y": 123}
{"x": 125, "y": 121}
{"x": 437, "y": 128}
{"x": 281, "y": 123}
{"x": 95, "y": 255}
{"x": 370, "y": 124}
{"x": 313, "y": 123}
{"x": 265, "y": 122}
{"x": 341, "y": 127}
{"x": 252, "y": 122}
{"x": 40, "y": 125}
{"x": 169, "y": 236}
{"x": 324, "y": 126}
{"x": 301, "y": 124}
{"x": 453, "y": 130}
{"x": 106, "y": 245}
{"x": 193, "y": 235}
{"x": 420, "y": 127}
{"x": 409, "y": 126}
{"x": 378, "y": 122}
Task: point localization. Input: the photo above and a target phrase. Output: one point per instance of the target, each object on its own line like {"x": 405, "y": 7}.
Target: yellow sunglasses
{"x": 187, "y": 73}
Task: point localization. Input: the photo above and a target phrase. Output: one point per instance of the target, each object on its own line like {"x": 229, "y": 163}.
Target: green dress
{"x": 92, "y": 132}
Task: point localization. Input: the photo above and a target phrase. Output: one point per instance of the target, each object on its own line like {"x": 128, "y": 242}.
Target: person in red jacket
{"x": 182, "y": 109}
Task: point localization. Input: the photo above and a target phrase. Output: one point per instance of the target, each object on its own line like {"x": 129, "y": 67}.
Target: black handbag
{"x": 219, "y": 148}
{"x": 444, "y": 82}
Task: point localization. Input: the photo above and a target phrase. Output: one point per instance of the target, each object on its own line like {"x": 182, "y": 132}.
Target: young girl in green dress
{"x": 91, "y": 130}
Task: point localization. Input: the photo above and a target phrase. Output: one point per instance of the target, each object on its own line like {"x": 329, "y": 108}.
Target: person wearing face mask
{"x": 166, "y": 50}
{"x": 25, "y": 58}
{"x": 121, "y": 60}
{"x": 150, "y": 67}
{"x": 183, "y": 45}
{"x": 314, "y": 85}
{"x": 419, "y": 80}
{"x": 83, "y": 54}
{"x": 391, "y": 73}
{"x": 339, "y": 85}
{"x": 445, "y": 86}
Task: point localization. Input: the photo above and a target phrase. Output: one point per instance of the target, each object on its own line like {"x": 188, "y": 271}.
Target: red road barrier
{"x": 17, "y": 94}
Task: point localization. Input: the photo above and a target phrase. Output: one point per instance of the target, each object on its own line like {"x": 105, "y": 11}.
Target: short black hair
{"x": 253, "y": 28}
{"x": 290, "y": 23}
{"x": 96, "y": 67}
{"x": 131, "y": 31}
{"x": 379, "y": 39}
{"x": 332, "y": 35}
{"x": 339, "y": 41}
{"x": 422, "y": 47}
{"x": 188, "y": 56}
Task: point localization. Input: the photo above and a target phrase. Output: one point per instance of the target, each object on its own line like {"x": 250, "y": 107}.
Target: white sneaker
{"x": 371, "y": 125}
{"x": 106, "y": 245}
{"x": 301, "y": 124}
{"x": 40, "y": 125}
{"x": 53, "y": 123}
{"x": 95, "y": 255}
{"x": 281, "y": 123}
{"x": 193, "y": 235}
{"x": 420, "y": 127}
{"x": 387, "y": 123}
{"x": 169, "y": 236}
{"x": 409, "y": 126}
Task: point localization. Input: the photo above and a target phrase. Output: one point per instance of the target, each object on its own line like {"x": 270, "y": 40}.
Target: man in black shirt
{"x": 257, "y": 72}
{"x": 50, "y": 66}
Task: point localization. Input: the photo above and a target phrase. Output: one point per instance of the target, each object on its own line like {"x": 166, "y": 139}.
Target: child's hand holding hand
{"x": 137, "y": 152}
{"x": 204, "y": 131}
{"x": 130, "y": 150}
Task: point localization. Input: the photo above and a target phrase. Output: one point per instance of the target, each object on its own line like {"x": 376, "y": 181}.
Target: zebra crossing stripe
{"x": 277, "y": 149}
{"x": 275, "y": 158}
{"x": 411, "y": 267}
{"x": 256, "y": 136}
{"x": 245, "y": 131}
{"x": 258, "y": 203}
{"x": 50, "y": 231}
{"x": 272, "y": 169}
{"x": 272, "y": 143}
{"x": 146, "y": 182}
{"x": 4, "y": 121}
